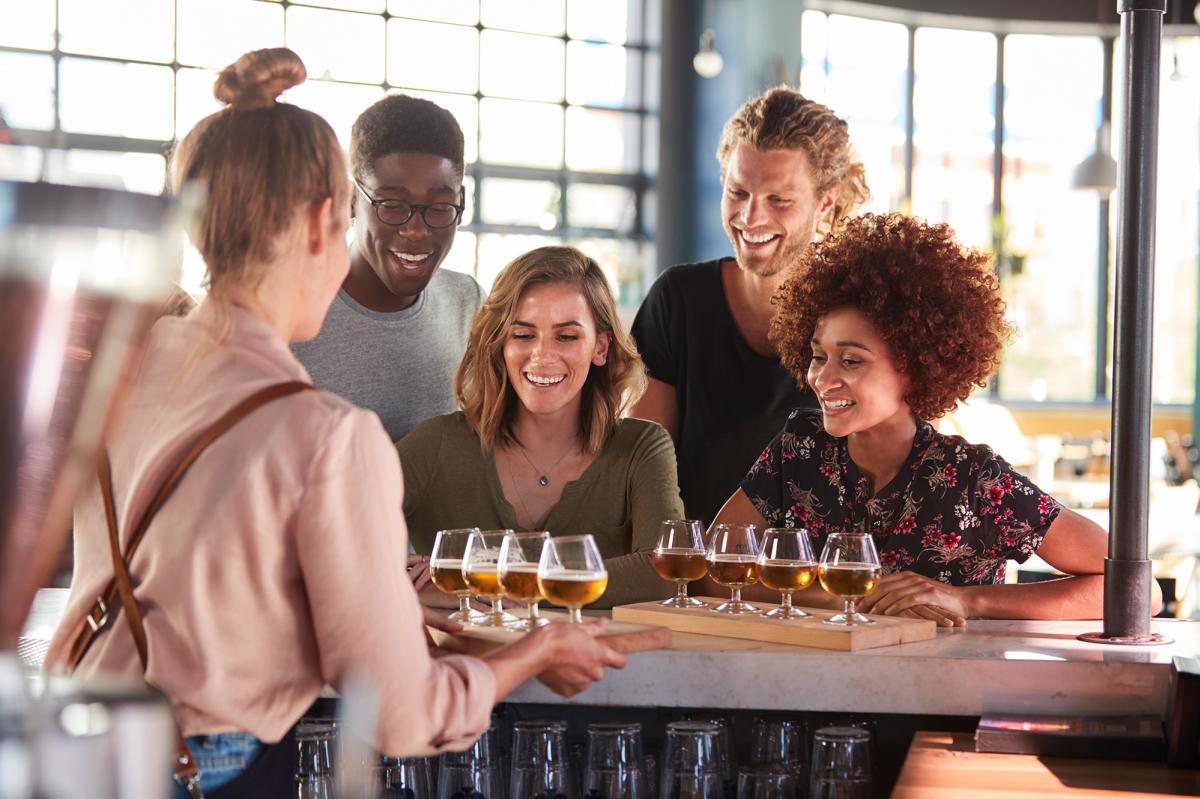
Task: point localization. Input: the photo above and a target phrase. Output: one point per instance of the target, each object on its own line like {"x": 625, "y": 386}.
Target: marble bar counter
{"x": 990, "y": 666}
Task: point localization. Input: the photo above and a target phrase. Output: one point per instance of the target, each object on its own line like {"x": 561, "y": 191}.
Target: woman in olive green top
{"x": 540, "y": 443}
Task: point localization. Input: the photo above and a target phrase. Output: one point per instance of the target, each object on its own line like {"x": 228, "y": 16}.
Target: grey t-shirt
{"x": 400, "y": 365}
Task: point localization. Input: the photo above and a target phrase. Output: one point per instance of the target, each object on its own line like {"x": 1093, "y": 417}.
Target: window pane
{"x": 193, "y": 98}
{"x": 530, "y": 16}
{"x": 1048, "y": 231}
{"x": 469, "y": 201}
{"x": 497, "y": 249}
{"x": 141, "y": 29}
{"x": 594, "y": 206}
{"x": 339, "y": 103}
{"x": 869, "y": 95}
{"x": 424, "y": 55}
{"x": 524, "y": 134}
{"x": 465, "y": 109}
{"x": 603, "y": 74}
{"x": 28, "y": 102}
{"x": 652, "y": 80}
{"x": 615, "y": 21}
{"x": 521, "y": 66}
{"x": 814, "y": 34}
{"x": 116, "y": 99}
{"x": 464, "y": 12}
{"x": 650, "y": 146}
{"x": 953, "y": 142}
{"x": 1176, "y": 262}
{"x": 143, "y": 172}
{"x": 461, "y": 257}
{"x": 369, "y": 6}
{"x": 602, "y": 141}
{"x": 520, "y": 202}
{"x": 20, "y": 163}
{"x": 28, "y": 23}
{"x": 626, "y": 264}
{"x": 213, "y": 33}
{"x": 337, "y": 45}
{"x": 653, "y": 16}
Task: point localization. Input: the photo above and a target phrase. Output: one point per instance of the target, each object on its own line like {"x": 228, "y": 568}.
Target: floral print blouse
{"x": 955, "y": 512}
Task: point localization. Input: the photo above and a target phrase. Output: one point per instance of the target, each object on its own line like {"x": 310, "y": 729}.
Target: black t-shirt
{"x": 731, "y": 400}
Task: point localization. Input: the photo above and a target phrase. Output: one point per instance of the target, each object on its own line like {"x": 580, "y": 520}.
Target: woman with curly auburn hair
{"x": 892, "y": 322}
{"x": 540, "y": 443}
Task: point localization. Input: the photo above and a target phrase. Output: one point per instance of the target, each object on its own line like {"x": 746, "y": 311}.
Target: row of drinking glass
{"x": 781, "y": 560}
{"x": 697, "y": 763}
{"x": 525, "y": 567}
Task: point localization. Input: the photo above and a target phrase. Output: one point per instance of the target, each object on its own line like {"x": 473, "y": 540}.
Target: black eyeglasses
{"x": 398, "y": 212}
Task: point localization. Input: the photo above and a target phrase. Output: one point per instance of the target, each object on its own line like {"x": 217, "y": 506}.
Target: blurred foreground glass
{"x": 680, "y": 556}
{"x": 841, "y": 764}
{"x": 691, "y": 767}
{"x": 571, "y": 573}
{"x": 446, "y": 572}
{"x": 520, "y": 554}
{"x": 540, "y": 763}
{"x": 786, "y": 564}
{"x": 481, "y": 569}
{"x": 83, "y": 274}
{"x": 475, "y": 773}
{"x": 733, "y": 562}
{"x": 404, "y": 778}
{"x": 849, "y": 569}
{"x": 615, "y": 762}
{"x": 768, "y": 782}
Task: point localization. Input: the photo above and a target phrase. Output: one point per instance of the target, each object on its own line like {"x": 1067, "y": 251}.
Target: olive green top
{"x": 621, "y": 498}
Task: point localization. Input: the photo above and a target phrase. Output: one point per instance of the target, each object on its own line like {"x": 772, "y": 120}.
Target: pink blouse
{"x": 278, "y": 565}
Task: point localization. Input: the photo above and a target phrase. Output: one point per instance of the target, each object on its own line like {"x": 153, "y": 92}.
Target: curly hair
{"x": 935, "y": 302}
{"x": 783, "y": 119}
{"x": 402, "y": 124}
{"x": 481, "y": 384}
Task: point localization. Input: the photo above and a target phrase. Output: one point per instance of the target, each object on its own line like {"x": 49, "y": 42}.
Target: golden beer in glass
{"x": 680, "y": 556}
{"x": 786, "y": 565}
{"x": 571, "y": 573}
{"x": 446, "y": 572}
{"x": 849, "y": 569}
{"x": 481, "y": 569}
{"x": 733, "y": 562}
{"x": 519, "y": 557}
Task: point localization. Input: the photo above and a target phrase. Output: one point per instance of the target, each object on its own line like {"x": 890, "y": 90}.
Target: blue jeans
{"x": 220, "y": 758}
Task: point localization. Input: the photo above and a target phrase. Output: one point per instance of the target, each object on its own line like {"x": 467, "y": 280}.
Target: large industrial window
{"x": 558, "y": 101}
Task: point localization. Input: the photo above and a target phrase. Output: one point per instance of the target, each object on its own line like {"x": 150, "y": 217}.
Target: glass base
{"x": 848, "y": 619}
{"x": 468, "y": 616}
{"x": 529, "y": 624}
{"x": 736, "y": 607}
{"x": 787, "y": 613}
{"x": 683, "y": 602}
{"x": 501, "y": 619}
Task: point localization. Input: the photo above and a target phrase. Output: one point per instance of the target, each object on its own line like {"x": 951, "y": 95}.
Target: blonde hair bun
{"x": 257, "y": 78}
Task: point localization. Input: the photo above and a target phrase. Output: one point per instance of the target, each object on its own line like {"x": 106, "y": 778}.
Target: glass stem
{"x": 786, "y": 604}
{"x": 736, "y": 597}
{"x": 576, "y": 616}
{"x": 464, "y": 605}
{"x": 681, "y": 590}
{"x": 533, "y": 611}
{"x": 497, "y": 607}
{"x": 849, "y": 611}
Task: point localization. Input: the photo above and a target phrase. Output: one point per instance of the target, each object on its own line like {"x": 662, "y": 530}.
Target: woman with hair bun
{"x": 892, "y": 322}
{"x": 276, "y": 564}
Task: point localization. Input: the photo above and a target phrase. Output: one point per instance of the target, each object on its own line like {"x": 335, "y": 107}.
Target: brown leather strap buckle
{"x": 91, "y": 619}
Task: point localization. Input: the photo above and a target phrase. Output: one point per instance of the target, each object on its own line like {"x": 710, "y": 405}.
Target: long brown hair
{"x": 482, "y": 386}
{"x": 256, "y": 159}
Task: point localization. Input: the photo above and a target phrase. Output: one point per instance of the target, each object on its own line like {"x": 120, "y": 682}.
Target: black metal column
{"x": 676, "y": 133}
{"x": 1127, "y": 570}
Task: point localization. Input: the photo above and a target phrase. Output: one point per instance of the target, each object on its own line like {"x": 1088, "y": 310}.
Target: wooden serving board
{"x": 811, "y": 631}
{"x": 624, "y": 637}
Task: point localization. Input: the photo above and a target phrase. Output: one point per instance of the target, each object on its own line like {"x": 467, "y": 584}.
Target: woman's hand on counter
{"x": 418, "y": 571}
{"x": 912, "y": 594}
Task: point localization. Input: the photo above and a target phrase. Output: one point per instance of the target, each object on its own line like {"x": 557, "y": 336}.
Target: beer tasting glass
{"x": 849, "y": 569}
{"x": 786, "y": 564}
{"x": 615, "y": 763}
{"x": 446, "y": 572}
{"x": 519, "y": 557}
{"x": 733, "y": 562}
{"x": 571, "y": 573}
{"x": 481, "y": 568}
{"x": 680, "y": 556}
{"x": 841, "y": 764}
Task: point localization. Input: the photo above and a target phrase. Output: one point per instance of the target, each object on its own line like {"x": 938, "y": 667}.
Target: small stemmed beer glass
{"x": 786, "y": 564}
{"x": 849, "y": 569}
{"x": 680, "y": 556}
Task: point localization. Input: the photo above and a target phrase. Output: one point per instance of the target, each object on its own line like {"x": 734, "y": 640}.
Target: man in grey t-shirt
{"x": 393, "y": 338}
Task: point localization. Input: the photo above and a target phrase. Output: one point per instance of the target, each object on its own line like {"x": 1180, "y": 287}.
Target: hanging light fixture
{"x": 707, "y": 62}
{"x": 1098, "y": 171}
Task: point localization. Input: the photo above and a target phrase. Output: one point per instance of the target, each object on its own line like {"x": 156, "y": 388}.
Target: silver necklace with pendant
{"x": 543, "y": 476}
